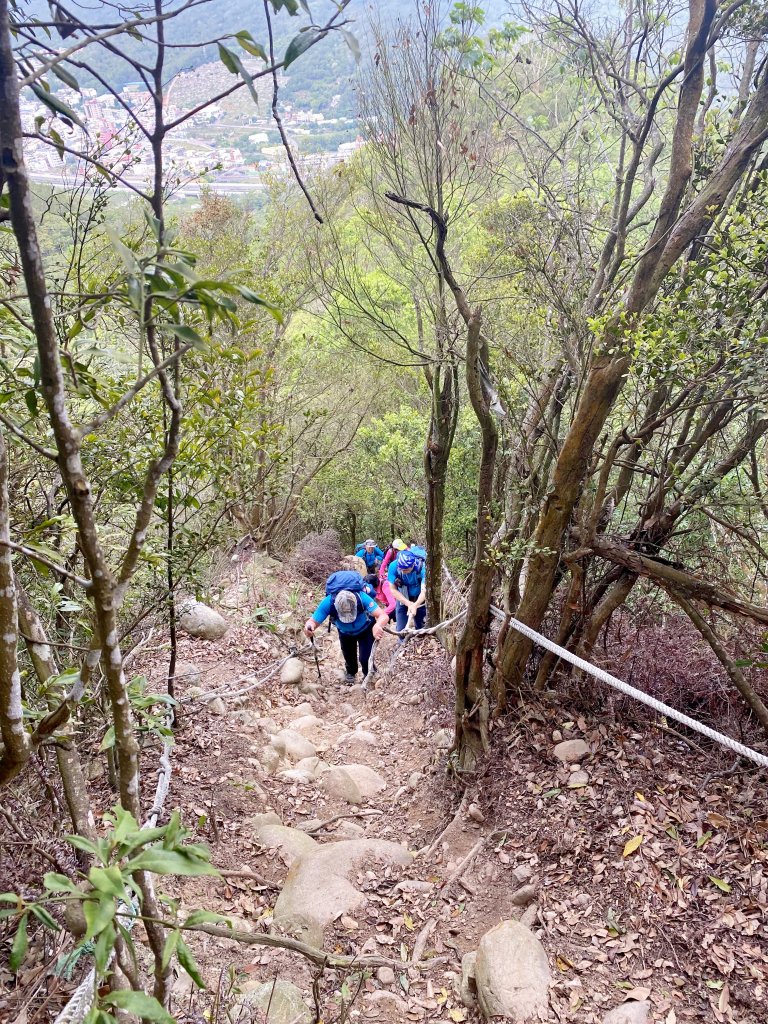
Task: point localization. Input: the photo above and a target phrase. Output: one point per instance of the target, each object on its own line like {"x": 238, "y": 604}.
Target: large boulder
{"x": 283, "y": 1000}
{"x": 270, "y": 832}
{"x": 352, "y": 783}
{"x": 512, "y": 974}
{"x": 199, "y": 620}
{"x": 318, "y": 889}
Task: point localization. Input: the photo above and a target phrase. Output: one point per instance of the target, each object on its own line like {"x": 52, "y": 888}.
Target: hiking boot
{"x": 350, "y": 679}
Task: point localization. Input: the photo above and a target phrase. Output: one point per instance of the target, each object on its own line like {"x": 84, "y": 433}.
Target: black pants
{"x": 350, "y": 642}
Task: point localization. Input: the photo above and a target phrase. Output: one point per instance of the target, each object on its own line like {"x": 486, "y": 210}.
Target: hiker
{"x": 407, "y": 581}
{"x": 371, "y": 554}
{"x": 385, "y": 590}
{"x": 357, "y": 618}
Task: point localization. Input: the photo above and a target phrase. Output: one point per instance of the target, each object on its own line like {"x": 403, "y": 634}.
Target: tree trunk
{"x": 442, "y": 427}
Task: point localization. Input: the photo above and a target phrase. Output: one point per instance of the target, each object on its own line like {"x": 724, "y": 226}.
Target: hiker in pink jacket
{"x": 387, "y": 597}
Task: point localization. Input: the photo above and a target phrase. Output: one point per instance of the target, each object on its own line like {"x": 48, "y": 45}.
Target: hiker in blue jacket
{"x": 371, "y": 554}
{"x": 357, "y": 617}
{"x": 407, "y": 581}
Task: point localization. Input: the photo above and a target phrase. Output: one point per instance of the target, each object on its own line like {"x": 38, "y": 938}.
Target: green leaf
{"x": 206, "y": 917}
{"x": 64, "y": 76}
{"x": 188, "y": 334}
{"x": 19, "y": 947}
{"x": 170, "y": 862}
{"x": 227, "y": 58}
{"x": 81, "y": 843}
{"x": 98, "y": 914}
{"x": 250, "y": 45}
{"x": 108, "y": 880}
{"x": 298, "y": 45}
{"x": 127, "y": 256}
{"x": 232, "y": 62}
{"x": 10, "y": 897}
{"x": 704, "y": 839}
{"x": 30, "y": 397}
{"x": 721, "y": 885}
{"x": 54, "y": 882}
{"x": 258, "y": 300}
{"x": 169, "y": 948}
{"x": 55, "y": 104}
{"x": 45, "y": 917}
{"x": 103, "y": 948}
{"x": 290, "y": 5}
{"x": 139, "y": 1004}
{"x": 189, "y": 964}
{"x": 109, "y": 739}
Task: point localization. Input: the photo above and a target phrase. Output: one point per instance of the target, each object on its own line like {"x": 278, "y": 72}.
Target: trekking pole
{"x": 371, "y": 668}
{"x": 317, "y": 661}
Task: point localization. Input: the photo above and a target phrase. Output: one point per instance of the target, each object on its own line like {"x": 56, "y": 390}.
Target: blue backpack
{"x": 345, "y": 579}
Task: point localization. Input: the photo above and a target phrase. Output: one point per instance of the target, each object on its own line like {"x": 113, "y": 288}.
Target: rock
{"x": 358, "y": 739}
{"x": 386, "y": 975}
{"x": 530, "y": 916}
{"x": 291, "y": 744}
{"x": 628, "y": 1013}
{"x": 475, "y": 813}
{"x": 524, "y": 896}
{"x": 292, "y": 672}
{"x": 522, "y": 873}
{"x": 578, "y": 780}
{"x": 443, "y": 739}
{"x": 414, "y": 885}
{"x": 349, "y": 830}
{"x": 387, "y": 1001}
{"x": 314, "y": 766}
{"x": 468, "y": 991}
{"x": 512, "y": 973}
{"x": 284, "y": 1000}
{"x": 305, "y": 708}
{"x": 217, "y": 706}
{"x": 349, "y": 923}
{"x": 352, "y": 783}
{"x": 309, "y": 726}
{"x": 270, "y": 759}
{"x": 414, "y": 780}
{"x": 188, "y": 674}
{"x": 295, "y": 775}
{"x": 199, "y": 620}
{"x": 317, "y": 889}
{"x": 571, "y": 750}
{"x": 272, "y": 834}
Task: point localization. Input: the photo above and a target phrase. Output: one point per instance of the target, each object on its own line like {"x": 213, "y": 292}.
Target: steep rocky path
{"x": 580, "y": 864}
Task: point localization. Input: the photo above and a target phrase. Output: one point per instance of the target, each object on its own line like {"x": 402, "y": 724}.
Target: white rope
{"x": 621, "y": 686}
{"x": 631, "y": 691}
{"x": 82, "y": 999}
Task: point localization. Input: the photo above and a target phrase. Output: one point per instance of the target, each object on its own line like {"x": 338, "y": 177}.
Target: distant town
{"x": 230, "y": 146}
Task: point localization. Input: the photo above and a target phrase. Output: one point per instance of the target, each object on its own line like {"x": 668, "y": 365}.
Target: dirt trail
{"x": 677, "y": 923}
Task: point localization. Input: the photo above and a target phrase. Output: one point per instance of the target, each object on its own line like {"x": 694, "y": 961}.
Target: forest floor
{"x": 642, "y": 869}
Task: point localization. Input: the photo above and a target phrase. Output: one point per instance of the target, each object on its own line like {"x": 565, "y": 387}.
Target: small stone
{"x": 301, "y": 710}
{"x": 468, "y": 991}
{"x": 414, "y": 779}
{"x": 292, "y": 672}
{"x": 522, "y": 873}
{"x": 571, "y": 750}
{"x": 291, "y": 744}
{"x": 530, "y": 915}
{"x": 414, "y": 885}
{"x": 349, "y": 923}
{"x": 578, "y": 780}
{"x": 188, "y": 675}
{"x": 386, "y": 975}
{"x": 628, "y": 1013}
{"x": 475, "y": 813}
{"x": 524, "y": 896}
{"x": 349, "y": 830}
{"x": 284, "y": 1000}
{"x": 217, "y": 706}
{"x": 557, "y": 736}
{"x": 443, "y": 739}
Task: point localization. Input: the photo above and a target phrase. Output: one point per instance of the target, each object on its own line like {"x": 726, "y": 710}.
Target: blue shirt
{"x": 323, "y": 610}
{"x": 370, "y": 557}
{"x": 413, "y": 580}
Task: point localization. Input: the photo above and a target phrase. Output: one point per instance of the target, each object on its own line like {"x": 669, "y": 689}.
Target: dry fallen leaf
{"x": 638, "y": 994}
{"x": 632, "y": 844}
